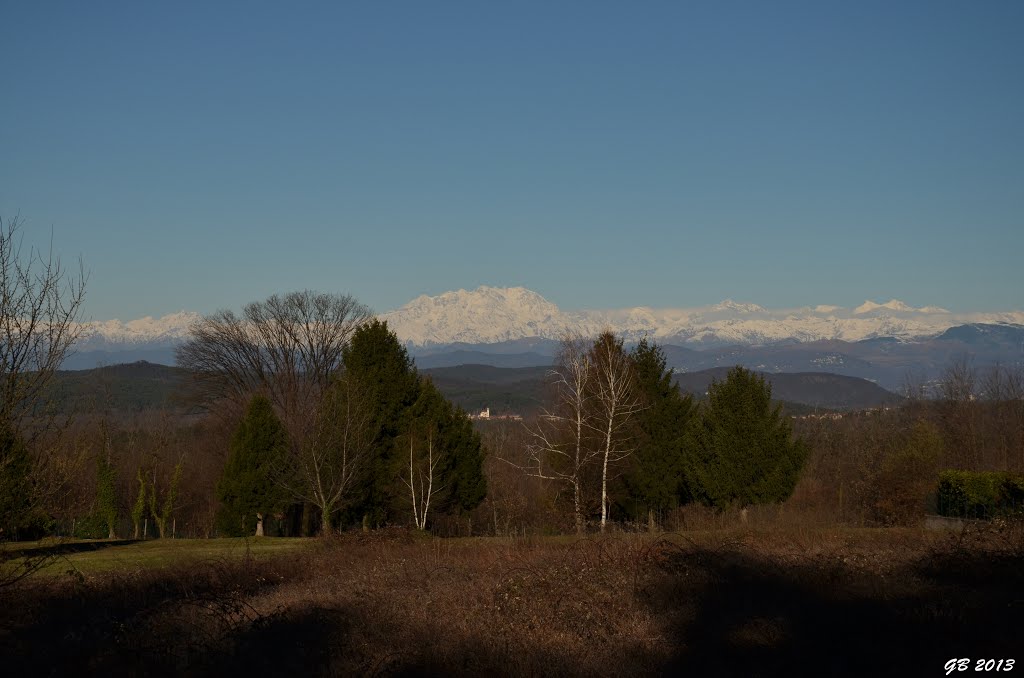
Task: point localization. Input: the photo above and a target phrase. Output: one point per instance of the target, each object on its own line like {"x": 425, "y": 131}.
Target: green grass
{"x": 99, "y": 556}
{"x": 95, "y": 556}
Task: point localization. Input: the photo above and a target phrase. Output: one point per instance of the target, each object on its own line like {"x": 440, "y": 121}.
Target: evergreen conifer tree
{"x": 458, "y": 476}
{"x": 745, "y": 451}
{"x": 249, "y": 489}
{"x": 376, "y": 360}
{"x": 656, "y": 480}
{"x": 15, "y": 483}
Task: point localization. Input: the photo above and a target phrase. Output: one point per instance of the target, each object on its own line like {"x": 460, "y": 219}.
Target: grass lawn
{"x": 95, "y": 555}
{"x": 839, "y": 601}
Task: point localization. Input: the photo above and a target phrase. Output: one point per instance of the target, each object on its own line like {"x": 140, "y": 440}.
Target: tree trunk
{"x": 578, "y": 500}
{"x": 366, "y": 522}
{"x": 259, "y": 524}
{"x": 325, "y": 522}
{"x": 604, "y": 472}
{"x": 307, "y": 520}
{"x": 110, "y": 532}
{"x": 651, "y": 525}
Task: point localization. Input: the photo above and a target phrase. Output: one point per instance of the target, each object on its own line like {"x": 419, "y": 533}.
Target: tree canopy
{"x": 380, "y": 364}
{"x": 249, "y": 489}
{"x": 745, "y": 450}
{"x": 656, "y": 481}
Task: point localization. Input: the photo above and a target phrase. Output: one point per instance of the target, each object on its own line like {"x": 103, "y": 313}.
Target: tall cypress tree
{"x": 106, "y": 494}
{"x": 656, "y": 481}
{"x": 249, "y": 489}
{"x": 745, "y": 450}
{"x": 15, "y": 484}
{"x": 380, "y": 364}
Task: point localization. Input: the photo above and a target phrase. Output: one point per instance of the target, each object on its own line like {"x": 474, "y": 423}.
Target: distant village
{"x": 485, "y": 414}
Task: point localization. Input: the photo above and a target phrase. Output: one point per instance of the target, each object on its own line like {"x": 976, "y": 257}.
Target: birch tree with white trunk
{"x": 559, "y": 448}
{"x": 422, "y": 478}
{"x": 617, "y": 400}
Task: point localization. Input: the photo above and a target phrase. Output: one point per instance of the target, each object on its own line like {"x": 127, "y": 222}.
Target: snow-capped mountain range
{"x": 489, "y": 315}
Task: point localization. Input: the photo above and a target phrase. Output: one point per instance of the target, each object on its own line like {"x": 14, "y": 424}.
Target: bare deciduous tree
{"x": 287, "y": 347}
{"x": 559, "y": 449}
{"x": 421, "y": 478}
{"x": 333, "y": 456}
{"x": 616, "y": 400}
{"x": 40, "y": 306}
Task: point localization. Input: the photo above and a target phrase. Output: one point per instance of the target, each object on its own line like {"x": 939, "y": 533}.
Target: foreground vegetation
{"x": 725, "y": 602}
{"x": 64, "y": 556}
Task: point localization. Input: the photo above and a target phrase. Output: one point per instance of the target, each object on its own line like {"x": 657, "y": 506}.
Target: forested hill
{"x": 139, "y": 386}
{"x": 131, "y": 387}
{"x": 814, "y": 389}
{"x": 523, "y": 390}
{"x": 505, "y": 390}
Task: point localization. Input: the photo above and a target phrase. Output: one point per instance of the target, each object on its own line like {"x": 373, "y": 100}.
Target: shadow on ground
{"x": 751, "y": 617}
{"x": 724, "y": 613}
{"x": 63, "y": 549}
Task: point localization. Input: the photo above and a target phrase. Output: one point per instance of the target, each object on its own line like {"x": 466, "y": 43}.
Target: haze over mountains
{"x": 515, "y": 327}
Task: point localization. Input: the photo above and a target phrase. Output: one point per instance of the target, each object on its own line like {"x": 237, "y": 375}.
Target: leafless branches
{"x": 287, "y": 347}
{"x": 559, "y": 449}
{"x": 329, "y": 463}
{"x": 617, "y": 400}
{"x": 421, "y": 477}
{"x": 40, "y": 305}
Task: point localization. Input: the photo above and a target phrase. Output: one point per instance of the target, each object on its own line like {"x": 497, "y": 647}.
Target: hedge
{"x": 980, "y": 494}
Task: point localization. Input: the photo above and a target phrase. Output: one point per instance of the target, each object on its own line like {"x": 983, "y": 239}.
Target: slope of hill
{"x": 129, "y": 387}
{"x": 814, "y": 389}
{"x": 504, "y": 390}
{"x": 142, "y": 386}
{"x": 464, "y": 357}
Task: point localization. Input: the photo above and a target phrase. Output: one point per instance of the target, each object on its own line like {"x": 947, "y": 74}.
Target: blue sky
{"x": 602, "y": 154}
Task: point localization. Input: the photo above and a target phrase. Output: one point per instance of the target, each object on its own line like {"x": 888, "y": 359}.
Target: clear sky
{"x": 201, "y": 155}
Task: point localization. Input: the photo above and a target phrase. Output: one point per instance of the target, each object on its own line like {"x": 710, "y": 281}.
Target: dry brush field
{"x": 728, "y": 602}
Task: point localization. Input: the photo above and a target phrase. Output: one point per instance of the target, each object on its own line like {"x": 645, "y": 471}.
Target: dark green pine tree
{"x": 376, "y": 360}
{"x": 656, "y": 480}
{"x": 745, "y": 450}
{"x": 458, "y": 477}
{"x": 250, "y": 489}
{"x": 15, "y": 483}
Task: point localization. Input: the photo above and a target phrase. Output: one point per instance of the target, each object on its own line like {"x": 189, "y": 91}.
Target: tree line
{"x": 616, "y": 421}
{"x": 310, "y": 416}
{"x": 375, "y": 444}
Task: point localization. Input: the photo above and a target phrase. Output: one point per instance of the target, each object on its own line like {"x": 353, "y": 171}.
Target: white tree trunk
{"x": 259, "y": 524}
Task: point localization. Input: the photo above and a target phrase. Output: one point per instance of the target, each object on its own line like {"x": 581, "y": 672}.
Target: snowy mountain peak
{"x": 489, "y": 315}
{"x": 481, "y": 316}
{"x": 730, "y": 305}
{"x": 891, "y": 305}
{"x": 492, "y": 314}
{"x": 170, "y": 328}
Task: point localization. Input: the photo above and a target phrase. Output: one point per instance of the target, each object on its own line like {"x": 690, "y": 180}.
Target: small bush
{"x": 980, "y": 494}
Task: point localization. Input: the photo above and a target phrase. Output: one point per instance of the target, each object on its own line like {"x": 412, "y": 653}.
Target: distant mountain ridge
{"x": 490, "y": 315}
{"x": 516, "y": 327}
{"x": 815, "y": 389}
